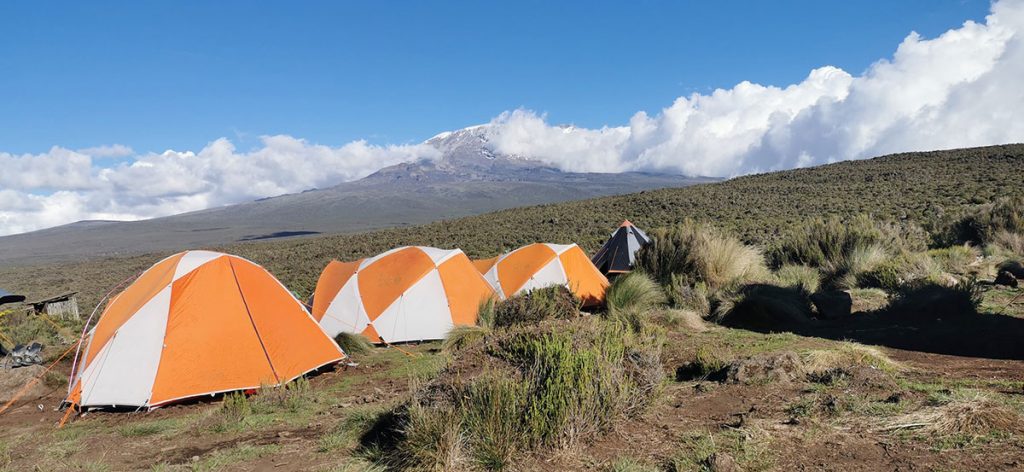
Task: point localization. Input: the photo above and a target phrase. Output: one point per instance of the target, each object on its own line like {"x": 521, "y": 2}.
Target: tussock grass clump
{"x": 975, "y": 415}
{"x": 841, "y": 249}
{"x": 676, "y": 319}
{"x": 700, "y": 253}
{"x": 461, "y": 337}
{"x": 546, "y": 386}
{"x": 549, "y": 303}
{"x": 796, "y": 276}
{"x": 632, "y": 297}
{"x": 431, "y": 439}
{"x": 352, "y": 343}
{"x": 904, "y": 269}
{"x": 635, "y": 291}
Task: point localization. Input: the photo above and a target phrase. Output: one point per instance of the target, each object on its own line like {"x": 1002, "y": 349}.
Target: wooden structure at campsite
{"x": 63, "y": 306}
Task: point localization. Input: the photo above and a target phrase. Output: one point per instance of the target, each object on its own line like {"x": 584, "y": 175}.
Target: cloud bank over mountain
{"x": 956, "y": 90}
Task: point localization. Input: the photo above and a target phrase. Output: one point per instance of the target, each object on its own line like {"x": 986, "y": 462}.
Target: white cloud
{"x": 959, "y": 89}
{"x": 62, "y": 186}
{"x": 113, "y": 150}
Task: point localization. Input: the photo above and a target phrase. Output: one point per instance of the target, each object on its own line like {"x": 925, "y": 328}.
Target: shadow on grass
{"x": 928, "y": 318}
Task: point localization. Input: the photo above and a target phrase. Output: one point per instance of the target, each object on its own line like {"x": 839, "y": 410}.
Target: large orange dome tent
{"x": 542, "y": 265}
{"x": 197, "y": 323}
{"x": 410, "y": 293}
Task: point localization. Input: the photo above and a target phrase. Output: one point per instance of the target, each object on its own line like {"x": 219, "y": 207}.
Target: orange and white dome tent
{"x": 541, "y": 265}
{"x": 197, "y": 323}
{"x": 410, "y": 293}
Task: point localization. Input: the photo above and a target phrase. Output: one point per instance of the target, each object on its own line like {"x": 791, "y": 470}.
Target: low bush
{"x": 631, "y": 299}
{"x": 984, "y": 224}
{"x": 700, "y": 253}
{"x": 550, "y": 303}
{"x": 955, "y": 259}
{"x": 841, "y": 249}
{"x": 936, "y": 301}
{"x": 696, "y": 297}
{"x": 546, "y": 386}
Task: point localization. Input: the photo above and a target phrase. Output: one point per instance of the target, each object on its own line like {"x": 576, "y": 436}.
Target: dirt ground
{"x": 869, "y": 419}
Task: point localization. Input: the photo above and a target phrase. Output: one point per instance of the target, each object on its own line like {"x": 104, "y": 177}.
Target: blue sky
{"x": 177, "y": 75}
{"x": 221, "y": 102}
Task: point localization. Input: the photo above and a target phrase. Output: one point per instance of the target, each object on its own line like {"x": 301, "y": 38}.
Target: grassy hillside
{"x": 920, "y": 187}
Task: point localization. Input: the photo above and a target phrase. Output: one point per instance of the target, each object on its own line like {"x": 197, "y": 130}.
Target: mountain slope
{"x": 468, "y": 179}
{"x": 914, "y": 186}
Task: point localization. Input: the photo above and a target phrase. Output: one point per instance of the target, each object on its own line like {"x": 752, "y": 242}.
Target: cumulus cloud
{"x": 959, "y": 89}
{"x": 62, "y": 186}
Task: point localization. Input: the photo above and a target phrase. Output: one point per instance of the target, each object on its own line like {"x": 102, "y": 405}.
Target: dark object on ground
{"x": 1015, "y": 268}
{"x": 832, "y": 304}
{"x": 1006, "y": 278}
{"x": 8, "y": 297}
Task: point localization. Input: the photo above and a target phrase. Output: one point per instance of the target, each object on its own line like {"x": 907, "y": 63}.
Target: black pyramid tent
{"x": 616, "y": 256}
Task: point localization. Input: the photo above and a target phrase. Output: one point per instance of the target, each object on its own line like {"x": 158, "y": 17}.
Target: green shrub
{"x": 903, "y": 269}
{"x": 551, "y": 385}
{"x": 700, "y": 253}
{"x": 549, "y": 303}
{"x": 841, "y": 249}
{"x": 696, "y": 297}
{"x": 955, "y": 259}
{"x": 460, "y": 337}
{"x": 984, "y": 224}
{"x": 353, "y": 343}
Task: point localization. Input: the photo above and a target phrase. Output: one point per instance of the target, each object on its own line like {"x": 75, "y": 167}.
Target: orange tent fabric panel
{"x": 333, "y": 278}
{"x": 465, "y": 289}
{"x": 382, "y": 282}
{"x": 128, "y": 302}
{"x": 518, "y": 267}
{"x": 210, "y": 345}
{"x": 584, "y": 279}
{"x": 484, "y": 265}
{"x": 276, "y": 315}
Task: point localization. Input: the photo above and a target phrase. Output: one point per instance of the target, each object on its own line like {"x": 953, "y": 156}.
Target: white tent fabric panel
{"x": 192, "y": 260}
{"x": 126, "y": 368}
{"x": 551, "y": 274}
{"x": 420, "y": 313}
{"x": 346, "y": 313}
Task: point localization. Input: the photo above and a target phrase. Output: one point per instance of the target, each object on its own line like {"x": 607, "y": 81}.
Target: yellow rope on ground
{"x": 52, "y": 323}
{"x": 34, "y": 380}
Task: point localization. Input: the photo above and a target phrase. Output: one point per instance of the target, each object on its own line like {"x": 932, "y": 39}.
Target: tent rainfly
{"x": 542, "y": 265}
{"x": 406, "y": 294}
{"x": 618, "y": 254}
{"x": 197, "y": 323}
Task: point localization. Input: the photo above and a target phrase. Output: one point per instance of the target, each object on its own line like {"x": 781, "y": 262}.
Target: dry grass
{"x": 973, "y": 415}
{"x": 848, "y": 354}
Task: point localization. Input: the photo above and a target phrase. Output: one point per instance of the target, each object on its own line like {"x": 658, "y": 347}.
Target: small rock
{"x": 195, "y": 458}
{"x": 722, "y": 462}
{"x": 1006, "y": 278}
